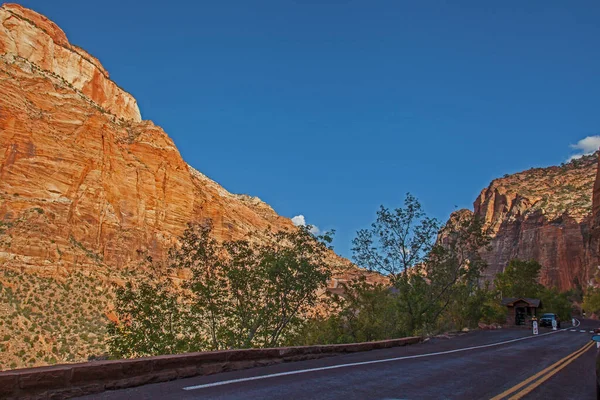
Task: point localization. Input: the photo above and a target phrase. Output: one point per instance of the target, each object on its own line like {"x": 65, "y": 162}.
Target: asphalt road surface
{"x": 499, "y": 364}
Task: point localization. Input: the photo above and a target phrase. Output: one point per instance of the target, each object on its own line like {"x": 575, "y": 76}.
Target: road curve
{"x": 469, "y": 366}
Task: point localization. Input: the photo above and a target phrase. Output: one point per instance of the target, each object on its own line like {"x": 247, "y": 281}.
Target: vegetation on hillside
{"x": 49, "y": 320}
{"x": 239, "y": 294}
{"x": 556, "y": 191}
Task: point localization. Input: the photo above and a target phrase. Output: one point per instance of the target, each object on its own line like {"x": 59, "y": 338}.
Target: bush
{"x": 366, "y": 312}
{"x": 556, "y": 302}
{"x": 471, "y": 306}
{"x": 591, "y": 300}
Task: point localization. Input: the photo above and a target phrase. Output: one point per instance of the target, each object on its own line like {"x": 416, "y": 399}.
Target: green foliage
{"x": 398, "y": 240}
{"x": 199, "y": 253}
{"x": 365, "y": 312}
{"x": 557, "y": 302}
{"x": 519, "y": 279}
{"x": 154, "y": 321}
{"x": 470, "y": 306}
{"x": 426, "y": 273}
{"x": 591, "y": 300}
{"x": 293, "y": 268}
{"x": 240, "y": 294}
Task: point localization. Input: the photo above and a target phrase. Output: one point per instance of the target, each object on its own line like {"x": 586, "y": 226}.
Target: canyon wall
{"x": 83, "y": 180}
{"x": 28, "y": 35}
{"x": 594, "y": 265}
{"x": 543, "y": 214}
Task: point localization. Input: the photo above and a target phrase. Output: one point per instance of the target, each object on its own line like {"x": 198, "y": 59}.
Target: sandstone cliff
{"x": 82, "y": 179}
{"x": 594, "y": 248}
{"x": 87, "y": 191}
{"x": 542, "y": 214}
{"x": 31, "y": 36}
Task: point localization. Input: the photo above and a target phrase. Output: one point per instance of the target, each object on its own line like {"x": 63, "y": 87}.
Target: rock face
{"x": 542, "y": 214}
{"x": 83, "y": 180}
{"x": 28, "y": 35}
{"x": 594, "y": 267}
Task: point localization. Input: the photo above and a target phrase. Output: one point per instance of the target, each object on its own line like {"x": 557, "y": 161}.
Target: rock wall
{"x": 31, "y": 36}
{"x": 83, "y": 181}
{"x": 542, "y": 214}
{"x": 594, "y": 264}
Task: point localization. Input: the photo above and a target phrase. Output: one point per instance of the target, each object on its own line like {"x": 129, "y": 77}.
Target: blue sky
{"x": 330, "y": 108}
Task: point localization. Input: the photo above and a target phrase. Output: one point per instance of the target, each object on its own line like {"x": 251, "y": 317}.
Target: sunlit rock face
{"x": 83, "y": 180}
{"x": 28, "y": 35}
{"x": 543, "y": 214}
{"x": 595, "y": 232}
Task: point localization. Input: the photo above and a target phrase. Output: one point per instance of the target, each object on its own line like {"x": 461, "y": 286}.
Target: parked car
{"x": 547, "y": 319}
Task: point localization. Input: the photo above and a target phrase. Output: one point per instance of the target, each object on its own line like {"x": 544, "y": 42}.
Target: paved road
{"x": 469, "y": 366}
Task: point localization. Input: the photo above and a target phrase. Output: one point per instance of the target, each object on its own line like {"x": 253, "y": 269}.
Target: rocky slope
{"x": 542, "y": 214}
{"x": 87, "y": 191}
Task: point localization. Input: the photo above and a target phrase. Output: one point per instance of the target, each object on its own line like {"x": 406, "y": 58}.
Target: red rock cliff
{"x": 594, "y": 267}
{"x": 28, "y": 35}
{"x": 83, "y": 181}
{"x": 542, "y": 214}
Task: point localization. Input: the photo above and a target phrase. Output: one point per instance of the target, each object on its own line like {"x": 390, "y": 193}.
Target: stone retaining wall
{"x": 70, "y": 380}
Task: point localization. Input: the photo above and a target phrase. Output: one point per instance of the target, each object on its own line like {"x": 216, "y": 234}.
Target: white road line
{"x": 302, "y": 371}
{"x": 583, "y": 330}
{"x": 573, "y": 330}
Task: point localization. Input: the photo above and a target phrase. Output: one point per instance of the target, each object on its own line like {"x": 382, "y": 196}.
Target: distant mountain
{"x": 543, "y": 214}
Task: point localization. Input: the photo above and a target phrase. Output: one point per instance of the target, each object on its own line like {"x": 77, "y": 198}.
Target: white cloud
{"x": 299, "y": 220}
{"x": 585, "y": 147}
{"x": 588, "y": 145}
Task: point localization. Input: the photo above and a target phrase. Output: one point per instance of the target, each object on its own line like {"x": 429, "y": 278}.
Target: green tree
{"x": 371, "y": 312}
{"x": 454, "y": 266}
{"x": 244, "y": 293}
{"x": 397, "y": 245}
{"x": 471, "y": 306}
{"x": 519, "y": 279}
{"x": 208, "y": 294}
{"x": 426, "y": 265}
{"x": 397, "y": 241}
{"x": 365, "y": 312}
{"x": 295, "y": 267}
{"x": 271, "y": 286}
{"x": 556, "y": 302}
{"x": 591, "y": 300}
{"x": 249, "y": 292}
{"x": 152, "y": 321}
